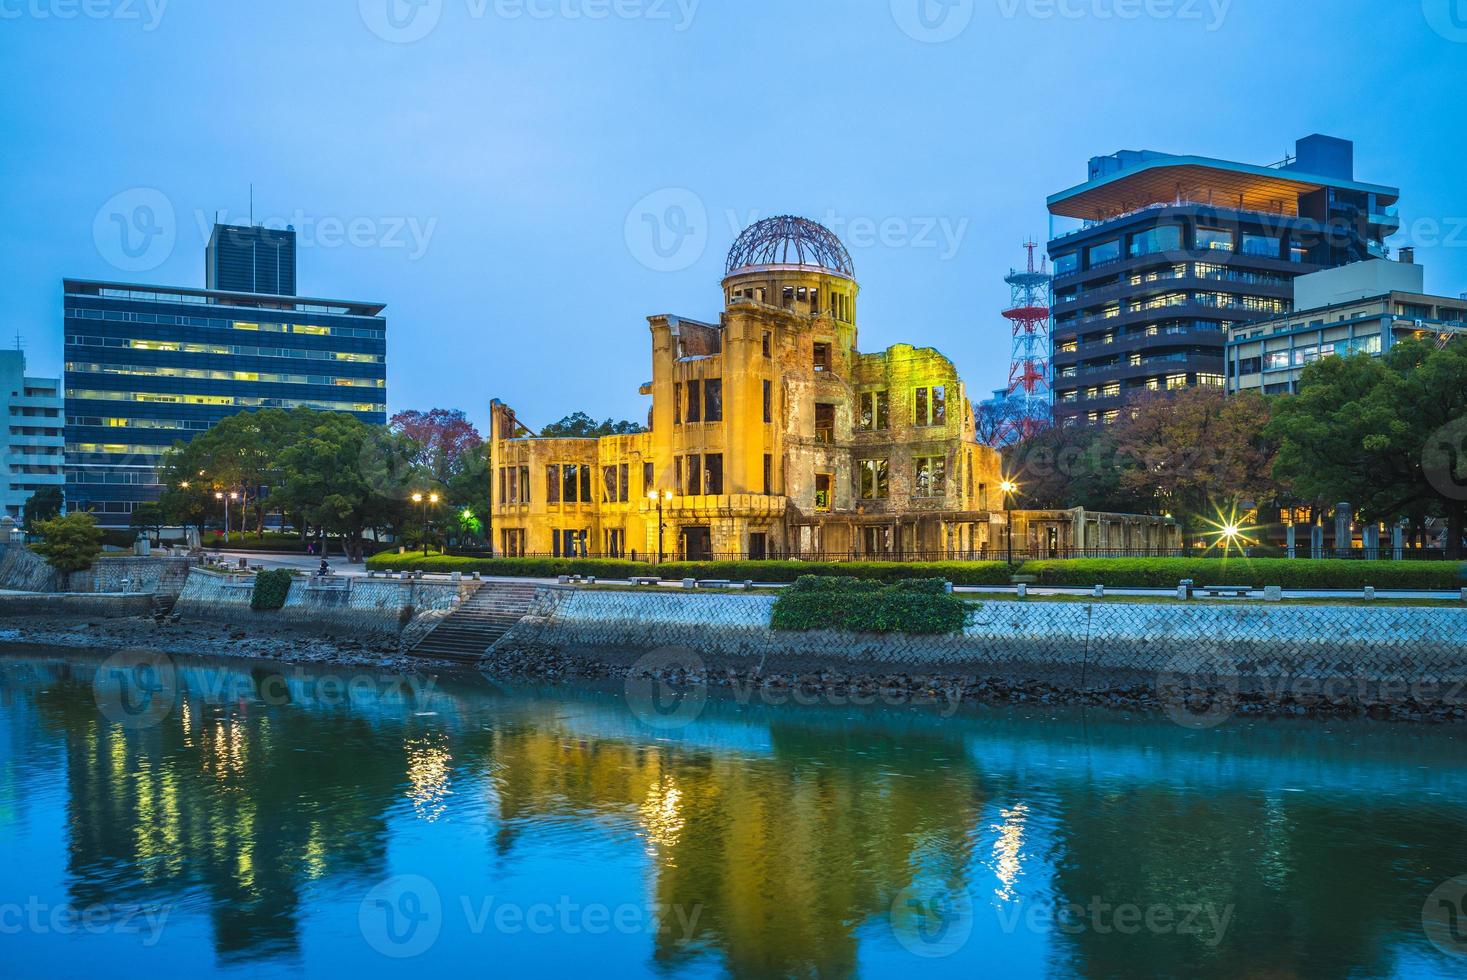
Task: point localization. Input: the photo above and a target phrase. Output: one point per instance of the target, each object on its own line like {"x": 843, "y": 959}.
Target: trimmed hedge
{"x": 817, "y": 602}
{"x": 271, "y": 588}
{"x": 521, "y": 567}
{"x": 957, "y": 572}
{"x": 1302, "y": 573}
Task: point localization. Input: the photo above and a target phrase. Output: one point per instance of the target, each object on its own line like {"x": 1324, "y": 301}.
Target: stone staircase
{"x": 480, "y": 620}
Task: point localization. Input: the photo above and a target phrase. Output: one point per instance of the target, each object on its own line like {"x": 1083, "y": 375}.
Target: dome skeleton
{"x": 789, "y": 241}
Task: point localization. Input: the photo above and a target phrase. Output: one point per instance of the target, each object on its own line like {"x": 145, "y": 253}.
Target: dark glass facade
{"x": 1147, "y": 289}
{"x": 149, "y": 365}
{"x": 250, "y": 259}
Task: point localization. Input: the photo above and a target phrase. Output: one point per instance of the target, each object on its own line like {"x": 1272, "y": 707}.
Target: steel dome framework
{"x": 789, "y": 241}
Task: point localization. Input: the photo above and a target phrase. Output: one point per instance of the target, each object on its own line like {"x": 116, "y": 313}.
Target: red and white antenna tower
{"x": 1029, "y": 388}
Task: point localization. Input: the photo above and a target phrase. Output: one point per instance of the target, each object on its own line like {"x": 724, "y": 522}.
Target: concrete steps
{"x": 477, "y": 623}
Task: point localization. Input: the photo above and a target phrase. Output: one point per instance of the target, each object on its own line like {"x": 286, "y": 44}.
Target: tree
{"x": 1387, "y": 434}
{"x": 149, "y": 517}
{"x": 444, "y": 437}
{"x": 1071, "y": 466}
{"x": 582, "y": 426}
{"x": 43, "y": 505}
{"x": 238, "y": 455}
{"x": 70, "y": 543}
{"x": 344, "y": 476}
{"x": 1196, "y": 451}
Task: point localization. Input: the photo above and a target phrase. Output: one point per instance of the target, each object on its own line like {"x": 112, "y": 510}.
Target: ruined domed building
{"x": 772, "y": 435}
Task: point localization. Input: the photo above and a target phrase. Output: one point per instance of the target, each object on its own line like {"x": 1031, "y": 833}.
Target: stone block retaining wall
{"x": 1070, "y": 644}
{"x": 363, "y": 607}
{"x": 63, "y": 604}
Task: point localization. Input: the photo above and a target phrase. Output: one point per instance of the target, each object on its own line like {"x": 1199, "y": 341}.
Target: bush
{"x": 271, "y": 588}
{"x": 855, "y": 605}
{"x": 520, "y": 567}
{"x": 1299, "y": 573}
{"x": 957, "y": 572}
{"x": 70, "y": 543}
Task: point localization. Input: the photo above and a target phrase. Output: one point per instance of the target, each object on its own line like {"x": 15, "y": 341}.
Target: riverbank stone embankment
{"x": 1386, "y": 662}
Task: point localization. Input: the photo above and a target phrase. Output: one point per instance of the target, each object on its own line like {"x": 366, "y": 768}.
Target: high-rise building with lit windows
{"x": 147, "y": 366}
{"x": 1157, "y": 256}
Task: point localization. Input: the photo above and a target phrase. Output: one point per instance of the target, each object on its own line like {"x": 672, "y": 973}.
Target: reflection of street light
{"x": 659, "y": 498}
{"x": 1008, "y": 488}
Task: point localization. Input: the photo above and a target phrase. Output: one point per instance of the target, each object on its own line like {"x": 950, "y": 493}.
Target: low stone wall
{"x": 64, "y": 604}
{"x": 1074, "y": 645}
{"x": 368, "y": 608}
{"x": 25, "y": 571}
{"x": 131, "y": 573}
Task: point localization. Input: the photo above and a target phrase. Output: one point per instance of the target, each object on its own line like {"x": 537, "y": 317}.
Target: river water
{"x": 174, "y": 817}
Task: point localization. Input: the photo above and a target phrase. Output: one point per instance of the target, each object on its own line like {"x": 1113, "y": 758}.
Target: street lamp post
{"x": 658, "y": 498}
{"x": 423, "y": 501}
{"x": 1007, "y": 488}
{"x": 219, "y": 495}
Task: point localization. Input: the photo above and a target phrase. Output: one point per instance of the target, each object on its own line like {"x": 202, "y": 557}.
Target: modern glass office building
{"x": 150, "y": 365}
{"x": 250, "y": 259}
{"x": 1162, "y": 255}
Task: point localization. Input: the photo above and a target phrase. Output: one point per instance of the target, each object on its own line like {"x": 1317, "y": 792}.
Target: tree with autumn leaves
{"x": 1195, "y": 454}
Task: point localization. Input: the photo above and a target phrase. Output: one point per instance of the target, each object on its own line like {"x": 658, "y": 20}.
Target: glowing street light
{"x": 1008, "y": 488}
{"x": 658, "y": 499}
{"x": 423, "y": 502}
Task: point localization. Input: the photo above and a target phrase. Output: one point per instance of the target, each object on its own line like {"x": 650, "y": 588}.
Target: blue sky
{"x": 497, "y": 181}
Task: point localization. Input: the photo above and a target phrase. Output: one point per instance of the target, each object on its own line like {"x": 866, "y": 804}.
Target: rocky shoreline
{"x": 1197, "y": 705}
{"x": 202, "y": 638}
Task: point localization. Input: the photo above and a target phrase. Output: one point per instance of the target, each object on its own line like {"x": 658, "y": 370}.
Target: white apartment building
{"x": 32, "y": 453}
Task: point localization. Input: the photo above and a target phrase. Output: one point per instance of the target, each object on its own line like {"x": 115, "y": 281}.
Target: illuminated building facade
{"x": 150, "y": 365}
{"x": 770, "y": 435}
{"x": 1172, "y": 252}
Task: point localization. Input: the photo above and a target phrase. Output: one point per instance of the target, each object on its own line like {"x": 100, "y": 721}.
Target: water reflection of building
{"x": 792, "y": 846}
